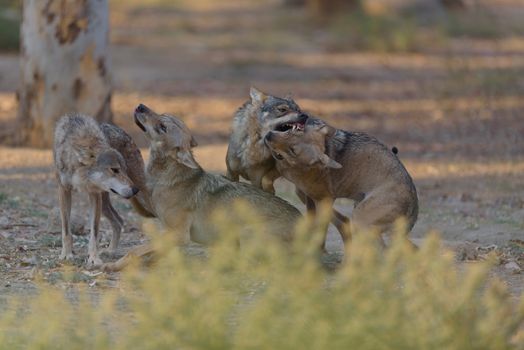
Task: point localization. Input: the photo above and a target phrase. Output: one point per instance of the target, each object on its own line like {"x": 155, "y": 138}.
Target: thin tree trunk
{"x": 64, "y": 65}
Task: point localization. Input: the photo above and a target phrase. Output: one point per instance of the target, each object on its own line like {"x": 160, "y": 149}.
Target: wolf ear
{"x": 320, "y": 126}
{"x": 329, "y": 163}
{"x": 257, "y": 96}
{"x": 185, "y": 157}
{"x": 85, "y": 156}
{"x": 193, "y": 142}
{"x": 324, "y": 129}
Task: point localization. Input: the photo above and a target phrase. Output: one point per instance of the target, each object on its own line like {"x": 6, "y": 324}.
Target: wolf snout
{"x": 130, "y": 192}
{"x": 126, "y": 192}
{"x": 141, "y": 108}
{"x": 303, "y": 116}
{"x": 138, "y": 115}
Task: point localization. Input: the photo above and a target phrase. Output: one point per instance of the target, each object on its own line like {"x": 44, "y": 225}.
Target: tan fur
{"x": 86, "y": 162}
{"x": 326, "y": 163}
{"x": 185, "y": 196}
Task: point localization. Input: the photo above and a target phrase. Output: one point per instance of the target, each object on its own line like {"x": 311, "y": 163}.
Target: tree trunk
{"x": 64, "y": 65}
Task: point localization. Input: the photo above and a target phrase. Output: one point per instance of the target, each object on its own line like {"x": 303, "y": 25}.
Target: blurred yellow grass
{"x": 264, "y": 295}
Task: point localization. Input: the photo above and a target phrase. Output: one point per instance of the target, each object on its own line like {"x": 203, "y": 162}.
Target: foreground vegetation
{"x": 268, "y": 296}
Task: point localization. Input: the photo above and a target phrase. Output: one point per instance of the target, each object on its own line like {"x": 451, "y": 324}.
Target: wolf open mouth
{"x": 294, "y": 125}
{"x": 139, "y": 124}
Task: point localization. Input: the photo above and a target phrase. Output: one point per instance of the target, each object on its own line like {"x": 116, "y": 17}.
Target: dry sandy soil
{"x": 455, "y": 112}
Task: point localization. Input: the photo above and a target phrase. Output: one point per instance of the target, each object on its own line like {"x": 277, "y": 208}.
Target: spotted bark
{"x": 64, "y": 65}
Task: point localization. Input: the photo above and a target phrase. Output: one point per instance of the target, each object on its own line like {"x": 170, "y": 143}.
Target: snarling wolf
{"x": 86, "y": 162}
{"x": 247, "y": 156}
{"x": 327, "y": 163}
{"x": 185, "y": 196}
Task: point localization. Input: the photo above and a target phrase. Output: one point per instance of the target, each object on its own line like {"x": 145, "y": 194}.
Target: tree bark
{"x": 64, "y": 65}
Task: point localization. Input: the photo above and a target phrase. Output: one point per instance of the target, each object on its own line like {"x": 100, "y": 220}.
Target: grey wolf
{"x": 327, "y": 163}
{"x": 247, "y": 155}
{"x": 124, "y": 144}
{"x": 119, "y": 140}
{"x": 185, "y": 196}
{"x": 86, "y": 162}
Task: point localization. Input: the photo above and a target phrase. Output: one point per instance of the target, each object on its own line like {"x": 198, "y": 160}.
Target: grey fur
{"x": 85, "y": 162}
{"x": 247, "y": 156}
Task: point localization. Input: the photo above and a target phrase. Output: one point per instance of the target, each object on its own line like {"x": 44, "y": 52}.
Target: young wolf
{"x": 247, "y": 156}
{"x": 185, "y": 196}
{"x": 86, "y": 162}
{"x": 326, "y": 163}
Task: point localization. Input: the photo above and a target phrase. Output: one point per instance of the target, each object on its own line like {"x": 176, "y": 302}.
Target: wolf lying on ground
{"x": 86, "y": 162}
{"x": 185, "y": 196}
{"x": 327, "y": 163}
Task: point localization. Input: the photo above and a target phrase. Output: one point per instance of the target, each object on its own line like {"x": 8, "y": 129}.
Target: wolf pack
{"x": 271, "y": 137}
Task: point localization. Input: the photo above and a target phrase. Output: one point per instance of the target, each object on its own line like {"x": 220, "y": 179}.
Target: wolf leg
{"x": 64, "y": 197}
{"x": 114, "y": 218}
{"x": 268, "y": 179}
{"x": 95, "y": 202}
{"x": 137, "y": 252}
{"x": 340, "y": 221}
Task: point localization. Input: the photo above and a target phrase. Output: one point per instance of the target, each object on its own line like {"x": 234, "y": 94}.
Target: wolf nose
{"x": 269, "y": 136}
{"x": 141, "y": 108}
{"x": 135, "y": 190}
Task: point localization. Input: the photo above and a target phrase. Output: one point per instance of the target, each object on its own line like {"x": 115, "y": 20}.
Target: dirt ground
{"x": 455, "y": 112}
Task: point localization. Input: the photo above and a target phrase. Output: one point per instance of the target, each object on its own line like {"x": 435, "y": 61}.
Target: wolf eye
{"x": 282, "y": 109}
{"x": 115, "y": 170}
{"x": 163, "y": 128}
{"x": 278, "y": 156}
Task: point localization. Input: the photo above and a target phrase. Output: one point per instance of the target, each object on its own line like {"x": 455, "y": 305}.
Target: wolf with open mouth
{"x": 247, "y": 155}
